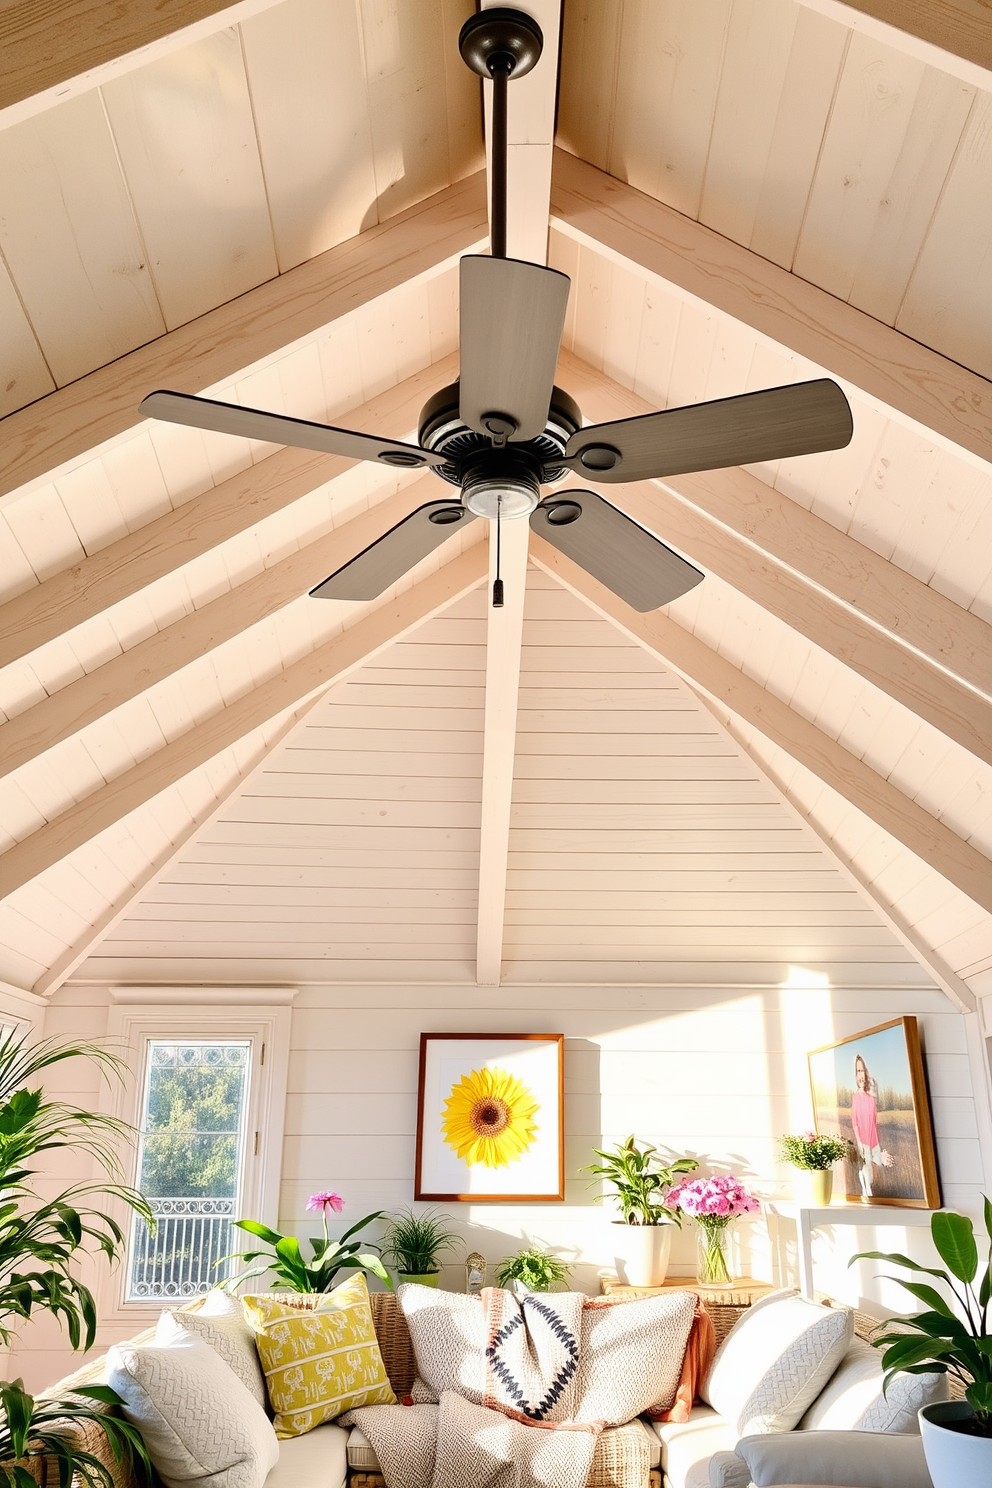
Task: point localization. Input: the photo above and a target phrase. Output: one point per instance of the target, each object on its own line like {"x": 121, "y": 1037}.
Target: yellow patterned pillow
{"x": 319, "y": 1363}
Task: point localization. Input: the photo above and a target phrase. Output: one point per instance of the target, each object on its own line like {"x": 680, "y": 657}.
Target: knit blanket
{"x": 522, "y": 1434}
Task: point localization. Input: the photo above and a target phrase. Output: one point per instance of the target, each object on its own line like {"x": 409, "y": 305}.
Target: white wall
{"x": 715, "y": 1072}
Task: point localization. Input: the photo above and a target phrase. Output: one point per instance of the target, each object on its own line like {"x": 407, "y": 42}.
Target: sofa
{"x": 707, "y": 1451}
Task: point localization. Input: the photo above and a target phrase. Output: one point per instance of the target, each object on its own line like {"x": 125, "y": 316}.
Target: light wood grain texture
{"x": 962, "y": 27}
{"x": 224, "y": 341}
{"x": 915, "y": 828}
{"x": 928, "y": 691}
{"x": 926, "y": 620}
{"x": 908, "y": 377}
{"x": 504, "y": 632}
{"x": 165, "y": 544}
{"x": 185, "y": 134}
{"x": 71, "y": 242}
{"x": 329, "y": 662}
{"x": 46, "y": 42}
{"x": 125, "y": 676}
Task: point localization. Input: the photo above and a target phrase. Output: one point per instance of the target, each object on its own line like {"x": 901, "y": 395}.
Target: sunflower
{"x": 487, "y": 1118}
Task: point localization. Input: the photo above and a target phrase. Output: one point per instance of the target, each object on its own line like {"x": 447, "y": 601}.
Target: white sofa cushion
{"x": 860, "y": 1459}
{"x": 221, "y": 1323}
{"x": 200, "y": 1424}
{"x": 687, "y": 1446}
{"x": 775, "y": 1361}
{"x": 631, "y": 1357}
{"x": 316, "y": 1460}
{"x": 853, "y": 1400}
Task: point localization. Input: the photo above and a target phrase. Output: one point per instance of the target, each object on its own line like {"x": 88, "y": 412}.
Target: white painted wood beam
{"x": 218, "y": 345}
{"x": 956, "y": 28}
{"x": 956, "y": 860}
{"x": 176, "y": 538}
{"x": 328, "y": 663}
{"x": 95, "y": 694}
{"x": 902, "y": 374}
{"x": 530, "y": 134}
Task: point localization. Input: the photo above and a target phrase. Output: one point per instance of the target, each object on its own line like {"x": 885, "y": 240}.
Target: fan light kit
{"x": 503, "y": 430}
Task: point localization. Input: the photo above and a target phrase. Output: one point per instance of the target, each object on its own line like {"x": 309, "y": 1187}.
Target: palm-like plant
{"x": 639, "y": 1181}
{"x": 414, "y": 1242}
{"x": 40, "y": 1242}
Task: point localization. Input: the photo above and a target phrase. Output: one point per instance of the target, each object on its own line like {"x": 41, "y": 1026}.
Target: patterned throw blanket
{"x": 527, "y": 1379}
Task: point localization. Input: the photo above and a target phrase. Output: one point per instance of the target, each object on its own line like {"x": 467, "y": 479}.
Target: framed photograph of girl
{"x": 870, "y": 1090}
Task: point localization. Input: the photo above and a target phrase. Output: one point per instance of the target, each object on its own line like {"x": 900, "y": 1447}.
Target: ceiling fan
{"x": 503, "y": 430}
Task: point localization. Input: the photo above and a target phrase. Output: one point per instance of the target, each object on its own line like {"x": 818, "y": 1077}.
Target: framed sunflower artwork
{"x": 490, "y": 1117}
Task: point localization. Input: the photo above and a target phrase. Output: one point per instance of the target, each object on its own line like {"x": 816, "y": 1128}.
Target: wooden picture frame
{"x": 900, "y": 1167}
{"x": 491, "y": 1118}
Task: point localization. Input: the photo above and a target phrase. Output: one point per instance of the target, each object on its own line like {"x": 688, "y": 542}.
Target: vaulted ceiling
{"x": 207, "y": 776}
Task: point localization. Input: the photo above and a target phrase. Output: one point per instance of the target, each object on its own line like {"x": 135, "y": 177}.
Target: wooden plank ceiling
{"x": 178, "y": 789}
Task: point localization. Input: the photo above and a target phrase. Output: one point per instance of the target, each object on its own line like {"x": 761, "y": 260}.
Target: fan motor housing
{"x": 472, "y": 460}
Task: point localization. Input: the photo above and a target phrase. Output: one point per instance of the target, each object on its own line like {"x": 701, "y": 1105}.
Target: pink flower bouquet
{"x": 713, "y": 1203}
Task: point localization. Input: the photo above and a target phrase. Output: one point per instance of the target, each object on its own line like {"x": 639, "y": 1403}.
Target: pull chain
{"x": 497, "y": 581}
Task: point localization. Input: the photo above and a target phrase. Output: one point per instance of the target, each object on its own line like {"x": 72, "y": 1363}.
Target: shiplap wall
{"x": 718, "y": 1072}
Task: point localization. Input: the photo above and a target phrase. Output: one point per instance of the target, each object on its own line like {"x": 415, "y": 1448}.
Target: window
{"x": 191, "y": 1165}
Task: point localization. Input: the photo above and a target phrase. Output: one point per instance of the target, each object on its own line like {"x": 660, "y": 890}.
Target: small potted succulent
{"x": 414, "y": 1243}
{"x": 640, "y": 1181}
{"x": 814, "y": 1154}
{"x": 952, "y": 1336}
{"x": 531, "y": 1270}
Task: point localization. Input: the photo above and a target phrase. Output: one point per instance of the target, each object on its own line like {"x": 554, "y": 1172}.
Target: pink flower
{"x": 721, "y": 1197}
{"x": 325, "y": 1200}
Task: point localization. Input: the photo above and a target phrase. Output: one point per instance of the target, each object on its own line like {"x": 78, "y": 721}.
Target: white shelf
{"x": 869, "y": 1216}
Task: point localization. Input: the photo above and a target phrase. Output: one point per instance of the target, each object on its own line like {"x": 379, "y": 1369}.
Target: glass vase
{"x": 713, "y": 1256}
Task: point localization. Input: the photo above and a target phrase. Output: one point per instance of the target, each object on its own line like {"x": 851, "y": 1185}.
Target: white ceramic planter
{"x": 640, "y": 1252}
{"x": 954, "y": 1460}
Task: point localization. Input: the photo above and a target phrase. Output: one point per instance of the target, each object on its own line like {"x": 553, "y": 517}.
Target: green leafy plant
{"x": 537, "y": 1269}
{"x": 640, "y": 1181}
{"x": 814, "y": 1152}
{"x": 284, "y": 1258}
{"x": 40, "y": 1243}
{"x": 414, "y": 1242}
{"x": 950, "y": 1337}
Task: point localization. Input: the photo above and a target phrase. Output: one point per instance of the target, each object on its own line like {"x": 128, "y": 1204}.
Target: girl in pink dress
{"x": 864, "y": 1119}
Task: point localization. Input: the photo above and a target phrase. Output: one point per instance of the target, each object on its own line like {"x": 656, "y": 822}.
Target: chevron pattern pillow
{"x": 775, "y": 1361}
{"x": 199, "y": 1422}
{"x": 221, "y": 1323}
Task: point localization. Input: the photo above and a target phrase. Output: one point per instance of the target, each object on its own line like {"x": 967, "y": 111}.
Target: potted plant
{"x": 531, "y": 1270}
{"x": 328, "y": 1257}
{"x": 414, "y": 1242}
{"x": 41, "y": 1241}
{"x": 951, "y": 1337}
{"x": 639, "y": 1183}
{"x": 814, "y": 1154}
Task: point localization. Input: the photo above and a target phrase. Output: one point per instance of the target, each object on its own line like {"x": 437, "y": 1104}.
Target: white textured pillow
{"x": 448, "y": 1333}
{"x": 775, "y": 1361}
{"x": 853, "y": 1399}
{"x": 631, "y": 1357}
{"x": 199, "y": 1422}
{"x": 221, "y": 1323}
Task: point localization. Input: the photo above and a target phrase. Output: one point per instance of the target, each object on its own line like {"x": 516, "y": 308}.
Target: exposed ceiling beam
{"x": 218, "y": 345}
{"x": 47, "y": 42}
{"x": 530, "y": 133}
{"x": 901, "y": 373}
{"x": 63, "y": 967}
{"x": 961, "y": 27}
{"x": 328, "y": 663}
{"x": 724, "y": 542}
{"x": 124, "y": 676}
{"x": 160, "y": 547}
{"x": 952, "y": 857}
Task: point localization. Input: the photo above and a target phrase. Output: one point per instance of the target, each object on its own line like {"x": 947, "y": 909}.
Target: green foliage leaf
{"x": 954, "y": 1237}
{"x": 928, "y": 1295}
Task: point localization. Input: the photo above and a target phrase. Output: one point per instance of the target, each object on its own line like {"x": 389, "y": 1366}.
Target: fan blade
{"x": 614, "y": 549}
{"x": 800, "y": 419}
{"x": 396, "y": 552}
{"x": 512, "y": 316}
{"x": 276, "y": 428}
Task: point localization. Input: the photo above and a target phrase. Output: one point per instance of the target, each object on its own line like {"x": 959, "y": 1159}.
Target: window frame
{"x": 131, "y": 1028}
